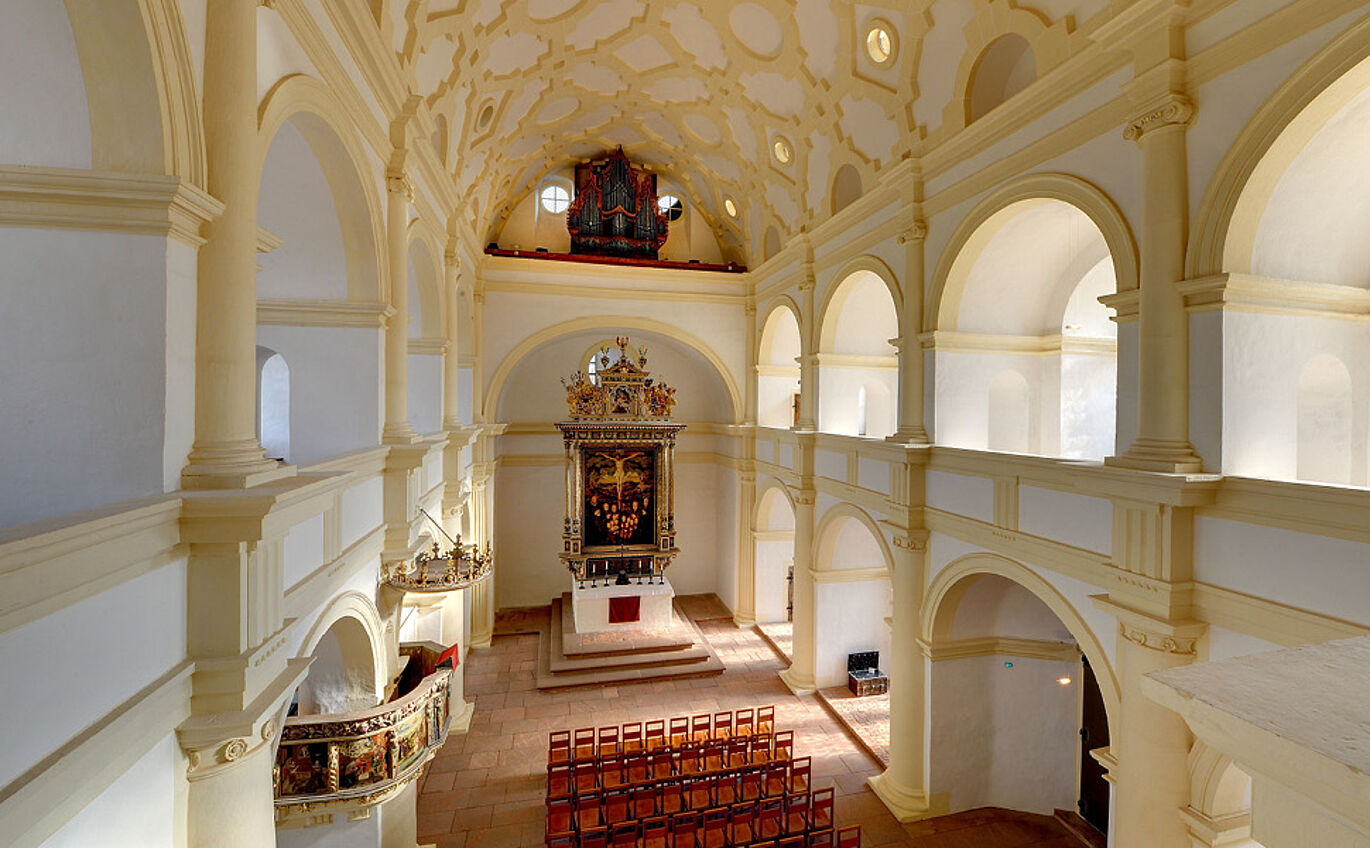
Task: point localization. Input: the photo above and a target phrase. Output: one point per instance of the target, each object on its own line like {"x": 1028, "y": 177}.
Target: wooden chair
{"x": 739, "y": 752}
{"x": 727, "y": 788}
{"x": 560, "y": 818}
{"x": 742, "y": 823}
{"x": 698, "y": 792}
{"x": 684, "y": 827}
{"x": 770, "y": 815}
{"x": 589, "y": 810}
{"x": 821, "y": 838}
{"x": 849, "y": 837}
{"x": 655, "y": 735}
{"x": 744, "y": 722}
{"x": 690, "y": 760}
{"x": 637, "y": 767}
{"x": 617, "y": 806}
{"x": 797, "y": 812}
{"x": 713, "y": 756}
{"x": 595, "y": 837}
{"x": 656, "y": 832}
{"x": 765, "y": 719}
{"x": 611, "y": 771}
{"x": 723, "y": 725}
{"x": 799, "y": 774}
{"x": 791, "y": 841}
{"x": 782, "y": 745}
{"x": 753, "y": 779}
{"x": 777, "y": 783}
{"x": 585, "y": 774}
{"x": 700, "y": 727}
{"x": 671, "y": 797}
{"x": 715, "y": 833}
{"x": 625, "y": 835}
{"x": 558, "y": 780}
{"x": 646, "y": 800}
{"x": 561, "y": 840}
{"x": 584, "y": 744}
{"x": 820, "y": 810}
{"x": 559, "y": 747}
{"x": 679, "y": 732}
{"x": 760, "y": 748}
{"x": 662, "y": 765}
{"x": 608, "y": 740}
{"x": 632, "y": 737}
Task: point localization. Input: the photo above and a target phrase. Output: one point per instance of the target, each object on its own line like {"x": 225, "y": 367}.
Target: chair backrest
{"x": 680, "y": 726}
{"x": 822, "y": 799}
{"x": 797, "y": 802}
{"x": 559, "y": 740}
{"x": 632, "y": 734}
{"x": 744, "y": 719}
{"x": 716, "y": 818}
{"x": 743, "y": 812}
{"x": 849, "y": 837}
{"x": 561, "y": 840}
{"x": 765, "y": 719}
{"x": 608, "y": 734}
{"x": 785, "y": 842}
{"x": 671, "y": 792}
{"x": 624, "y": 835}
{"x": 594, "y": 837}
{"x": 656, "y": 729}
{"x": 821, "y": 838}
{"x": 559, "y": 805}
{"x": 723, "y": 722}
{"x": 700, "y": 724}
{"x": 800, "y": 768}
{"x": 584, "y": 742}
{"x": 783, "y": 743}
{"x": 685, "y": 822}
{"x": 655, "y": 827}
{"x": 770, "y": 809}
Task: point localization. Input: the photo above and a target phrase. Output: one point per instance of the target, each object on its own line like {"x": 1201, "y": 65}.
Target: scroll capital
{"x": 1175, "y": 110}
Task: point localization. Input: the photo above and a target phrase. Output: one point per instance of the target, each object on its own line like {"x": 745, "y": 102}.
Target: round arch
{"x": 770, "y": 484}
{"x": 361, "y": 643}
{"x": 967, "y": 239}
{"x": 433, "y": 323}
{"x": 822, "y": 553}
{"x": 992, "y": 21}
{"x": 833, "y": 302}
{"x": 769, "y": 310}
{"x": 328, "y": 130}
{"x": 1217, "y": 785}
{"x": 952, "y": 582}
{"x": 609, "y": 323}
{"x": 1223, "y": 234}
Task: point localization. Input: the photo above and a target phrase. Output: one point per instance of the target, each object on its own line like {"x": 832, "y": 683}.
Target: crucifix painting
{"x": 619, "y": 496}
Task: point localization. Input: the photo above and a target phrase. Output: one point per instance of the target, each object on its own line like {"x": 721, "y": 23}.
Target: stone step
{"x": 678, "y": 637}
{"x": 648, "y": 664}
{"x": 674, "y": 654}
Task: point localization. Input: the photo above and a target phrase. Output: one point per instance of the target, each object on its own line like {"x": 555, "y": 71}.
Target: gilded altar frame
{"x": 644, "y": 559}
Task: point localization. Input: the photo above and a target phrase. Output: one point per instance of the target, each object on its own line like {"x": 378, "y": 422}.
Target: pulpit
{"x": 619, "y": 531}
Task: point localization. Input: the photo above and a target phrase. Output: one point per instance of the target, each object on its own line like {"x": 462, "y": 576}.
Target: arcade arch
{"x": 853, "y": 596}
{"x": 427, "y": 338}
{"x": 773, "y": 538}
{"x": 857, "y": 356}
{"x": 1026, "y": 355}
{"x": 349, "y": 671}
{"x": 777, "y": 368}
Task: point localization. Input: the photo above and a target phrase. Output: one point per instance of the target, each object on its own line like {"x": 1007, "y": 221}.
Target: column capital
{"x": 1166, "y": 636}
{"x": 1172, "y": 110}
{"x": 397, "y": 182}
{"x": 912, "y": 540}
{"x": 916, "y": 232}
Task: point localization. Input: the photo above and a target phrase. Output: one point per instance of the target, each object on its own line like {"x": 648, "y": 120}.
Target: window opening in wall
{"x": 730, "y": 207}
{"x": 592, "y": 368}
{"x": 782, "y": 150}
{"x": 879, "y": 45}
{"x": 273, "y": 403}
{"x": 861, "y": 411}
{"x": 555, "y": 199}
{"x": 670, "y": 206}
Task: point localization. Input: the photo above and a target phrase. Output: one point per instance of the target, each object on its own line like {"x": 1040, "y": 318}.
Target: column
{"x": 483, "y": 593}
{"x": 226, "y": 452}
{"x": 397, "y": 427}
{"x": 1152, "y": 744}
{"x": 451, "y": 361}
{"x": 1163, "y": 344}
{"x": 744, "y": 615}
{"x": 902, "y": 786}
{"x": 911, "y": 427}
{"x": 808, "y": 346}
{"x": 800, "y": 675}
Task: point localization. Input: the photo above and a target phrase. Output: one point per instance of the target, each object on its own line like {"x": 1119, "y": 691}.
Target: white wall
{"x": 43, "y": 99}
{"x": 137, "y": 810}
{"x": 849, "y": 617}
{"x": 336, "y": 392}
{"x": 425, "y": 393}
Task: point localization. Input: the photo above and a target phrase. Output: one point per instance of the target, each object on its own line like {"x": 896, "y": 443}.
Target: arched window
{"x": 273, "y": 403}
{"x": 1006, "y": 67}
{"x": 861, "y": 421}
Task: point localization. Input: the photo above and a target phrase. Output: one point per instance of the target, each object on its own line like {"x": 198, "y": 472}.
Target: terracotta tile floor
{"x": 487, "y": 786}
{"x": 868, "y": 718}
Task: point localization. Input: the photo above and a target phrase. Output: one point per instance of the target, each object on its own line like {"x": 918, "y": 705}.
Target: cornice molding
{"x": 1036, "y": 649}
{"x": 1270, "y": 295}
{"x": 100, "y": 201}
{"x": 428, "y": 347}
{"x": 1167, "y": 636}
{"x": 286, "y": 312}
{"x": 849, "y": 575}
{"x": 953, "y": 341}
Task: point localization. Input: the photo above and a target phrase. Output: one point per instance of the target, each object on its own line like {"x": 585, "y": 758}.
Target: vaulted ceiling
{"x": 699, "y": 90}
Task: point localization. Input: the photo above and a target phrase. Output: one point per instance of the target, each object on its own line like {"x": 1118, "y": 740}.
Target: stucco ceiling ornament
{"x": 1164, "y": 643}
{"x": 1176, "y": 110}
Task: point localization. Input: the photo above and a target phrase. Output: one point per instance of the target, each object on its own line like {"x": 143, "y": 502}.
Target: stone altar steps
{"x": 622, "y": 656}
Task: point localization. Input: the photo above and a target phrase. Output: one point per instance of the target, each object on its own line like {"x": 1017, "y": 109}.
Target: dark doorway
{"x": 1093, "y": 801}
{"x": 789, "y": 593}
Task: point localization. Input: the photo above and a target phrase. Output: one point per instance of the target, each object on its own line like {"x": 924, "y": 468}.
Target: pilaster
{"x": 745, "y": 613}
{"x": 800, "y": 676}
{"x": 808, "y": 344}
{"x": 399, "y": 194}
{"x": 911, "y": 425}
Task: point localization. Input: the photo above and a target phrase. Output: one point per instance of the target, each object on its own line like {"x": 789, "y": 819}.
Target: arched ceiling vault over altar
{"x": 701, "y": 91}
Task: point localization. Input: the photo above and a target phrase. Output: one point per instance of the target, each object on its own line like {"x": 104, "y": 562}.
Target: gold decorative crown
{"x": 619, "y": 390}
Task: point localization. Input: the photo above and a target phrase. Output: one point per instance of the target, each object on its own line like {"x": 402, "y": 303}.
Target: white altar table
{"x": 591, "y": 606}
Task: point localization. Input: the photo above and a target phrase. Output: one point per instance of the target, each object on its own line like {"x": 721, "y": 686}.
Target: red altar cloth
{"x": 624, "y": 610}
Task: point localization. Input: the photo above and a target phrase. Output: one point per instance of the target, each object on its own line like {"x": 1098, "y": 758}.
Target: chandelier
{"x": 436, "y": 570}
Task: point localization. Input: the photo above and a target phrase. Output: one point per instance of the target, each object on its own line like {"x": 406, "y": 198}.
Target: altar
{"x": 631, "y": 607}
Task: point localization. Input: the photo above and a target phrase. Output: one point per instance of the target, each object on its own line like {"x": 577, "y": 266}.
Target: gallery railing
{"x": 360, "y": 759}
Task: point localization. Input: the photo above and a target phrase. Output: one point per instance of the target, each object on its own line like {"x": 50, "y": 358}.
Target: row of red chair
{"x": 673, "y": 795}
{"x": 661, "y": 834}
{"x": 744, "y": 823}
{"x": 642, "y": 766}
{"x": 588, "y": 742}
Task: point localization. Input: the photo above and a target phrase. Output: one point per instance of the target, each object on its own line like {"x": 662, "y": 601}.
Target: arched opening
{"x": 1026, "y": 355}
{"x": 856, "y": 352}
{"x": 1289, "y": 408}
{"x": 1009, "y": 694}
{"x": 853, "y": 597}
{"x": 1219, "y": 810}
{"x": 273, "y": 403}
{"x": 777, "y": 369}
{"x": 426, "y": 337}
{"x": 342, "y": 678}
{"x": 770, "y": 243}
{"x": 774, "y": 556}
{"x": 846, "y": 188}
{"x": 1007, "y": 66}
{"x": 311, "y": 197}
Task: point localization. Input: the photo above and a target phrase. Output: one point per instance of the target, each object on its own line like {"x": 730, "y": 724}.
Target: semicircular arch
{"x": 326, "y": 127}
{"x": 358, "y": 607}
{"x": 763, "y": 490}
{"x": 825, "y": 537}
{"x": 433, "y": 321}
{"x": 958, "y": 256}
{"x": 765, "y": 336}
{"x": 951, "y": 583}
{"x": 836, "y": 294}
{"x": 610, "y": 323}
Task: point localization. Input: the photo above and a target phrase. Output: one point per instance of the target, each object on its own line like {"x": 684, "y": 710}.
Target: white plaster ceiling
{"x": 697, "y": 89}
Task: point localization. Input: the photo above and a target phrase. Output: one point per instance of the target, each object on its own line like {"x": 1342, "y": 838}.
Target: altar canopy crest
{"x": 615, "y": 209}
{"x": 620, "y": 390}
